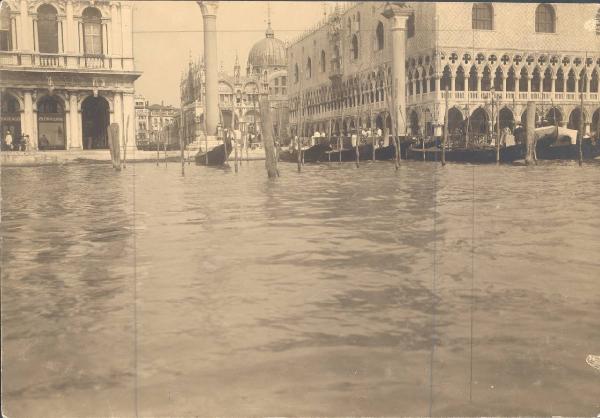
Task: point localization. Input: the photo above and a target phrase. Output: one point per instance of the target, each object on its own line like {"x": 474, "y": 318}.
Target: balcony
{"x": 502, "y": 96}
{"x": 16, "y": 59}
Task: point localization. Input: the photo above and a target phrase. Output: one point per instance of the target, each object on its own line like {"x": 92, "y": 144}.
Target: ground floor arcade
{"x": 64, "y": 111}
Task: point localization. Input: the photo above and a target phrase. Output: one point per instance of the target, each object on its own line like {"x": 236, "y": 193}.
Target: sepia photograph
{"x": 299, "y": 208}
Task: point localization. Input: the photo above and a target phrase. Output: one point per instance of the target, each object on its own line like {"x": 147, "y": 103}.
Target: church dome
{"x": 268, "y": 52}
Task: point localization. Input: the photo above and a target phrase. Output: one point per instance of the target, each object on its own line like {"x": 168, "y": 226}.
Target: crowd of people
{"x": 13, "y": 143}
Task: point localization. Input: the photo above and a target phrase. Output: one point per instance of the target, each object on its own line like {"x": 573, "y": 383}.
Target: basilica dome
{"x": 268, "y": 52}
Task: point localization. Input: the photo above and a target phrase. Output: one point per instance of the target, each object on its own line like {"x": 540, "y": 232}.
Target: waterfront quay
{"x": 336, "y": 291}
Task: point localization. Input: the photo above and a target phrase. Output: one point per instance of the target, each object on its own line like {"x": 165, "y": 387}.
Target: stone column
{"x": 529, "y": 77}
{"x": 565, "y": 83}
{"x": 399, "y": 13}
{"x": 517, "y": 85}
{"x": 25, "y": 36}
{"x": 69, "y": 47}
{"x": 209, "y": 19}
{"x": 553, "y": 85}
{"x": 127, "y": 35}
{"x": 60, "y": 24}
{"x": 479, "y": 84}
{"x": 453, "y": 83}
{"x": 29, "y": 119}
{"x": 115, "y": 26}
{"x": 35, "y": 43}
{"x": 129, "y": 113}
{"x": 13, "y": 33}
{"x": 74, "y": 118}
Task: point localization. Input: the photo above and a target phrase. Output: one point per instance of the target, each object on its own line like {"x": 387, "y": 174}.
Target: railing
{"x": 69, "y": 61}
{"x": 47, "y": 60}
{"x": 486, "y": 96}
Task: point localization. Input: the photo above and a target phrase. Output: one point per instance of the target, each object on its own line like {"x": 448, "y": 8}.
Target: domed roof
{"x": 268, "y": 52}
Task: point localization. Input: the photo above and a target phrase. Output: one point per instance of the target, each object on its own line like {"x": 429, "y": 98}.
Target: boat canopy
{"x": 562, "y": 132}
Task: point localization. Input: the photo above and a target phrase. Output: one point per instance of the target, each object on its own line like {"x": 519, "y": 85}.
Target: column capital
{"x": 399, "y": 13}
{"x": 208, "y": 8}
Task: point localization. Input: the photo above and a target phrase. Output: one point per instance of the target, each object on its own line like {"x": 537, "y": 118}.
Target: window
{"x": 309, "y": 68}
{"x": 483, "y": 16}
{"x": 284, "y": 80}
{"x": 296, "y": 73}
{"x": 5, "y": 28}
{"x": 379, "y": 36}
{"x": 92, "y": 31}
{"x": 322, "y": 62}
{"x": 410, "y": 26}
{"x": 354, "y": 48}
{"x": 544, "y": 19}
{"x": 47, "y": 29}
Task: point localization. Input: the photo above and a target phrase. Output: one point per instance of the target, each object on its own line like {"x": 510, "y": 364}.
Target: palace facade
{"x": 239, "y": 93}
{"x": 67, "y": 72}
{"x": 492, "y": 58}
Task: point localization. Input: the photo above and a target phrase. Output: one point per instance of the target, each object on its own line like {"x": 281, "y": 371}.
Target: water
{"x": 337, "y": 291}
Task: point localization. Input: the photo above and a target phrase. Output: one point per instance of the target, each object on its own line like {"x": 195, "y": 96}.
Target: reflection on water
{"x": 322, "y": 293}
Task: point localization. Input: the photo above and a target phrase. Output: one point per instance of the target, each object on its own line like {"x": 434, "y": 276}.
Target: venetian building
{"x": 67, "y": 71}
{"x": 239, "y": 93}
{"x": 490, "y": 62}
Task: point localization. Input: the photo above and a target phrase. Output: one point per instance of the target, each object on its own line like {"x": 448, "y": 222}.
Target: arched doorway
{"x": 10, "y": 118}
{"x": 414, "y": 123}
{"x": 553, "y": 116}
{"x": 575, "y": 119}
{"x": 51, "y": 123}
{"x": 95, "y": 118}
{"x": 596, "y": 124}
{"x": 455, "y": 121}
{"x": 506, "y": 118}
{"x": 479, "y": 122}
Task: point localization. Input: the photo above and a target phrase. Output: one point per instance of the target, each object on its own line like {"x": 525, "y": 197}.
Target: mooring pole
{"x": 445, "y": 141}
{"x": 581, "y": 126}
{"x": 498, "y": 134}
{"x": 530, "y": 133}
{"x": 268, "y": 142}
{"x": 157, "y": 148}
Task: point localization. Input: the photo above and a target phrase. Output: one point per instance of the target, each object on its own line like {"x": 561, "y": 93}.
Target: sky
{"x": 166, "y": 33}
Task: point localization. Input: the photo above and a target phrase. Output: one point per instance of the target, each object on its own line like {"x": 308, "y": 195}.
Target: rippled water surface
{"x": 463, "y": 290}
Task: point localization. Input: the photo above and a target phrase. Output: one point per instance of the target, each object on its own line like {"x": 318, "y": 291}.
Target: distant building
{"x": 492, "y": 57}
{"x": 66, "y": 71}
{"x": 239, "y": 94}
{"x": 152, "y": 120}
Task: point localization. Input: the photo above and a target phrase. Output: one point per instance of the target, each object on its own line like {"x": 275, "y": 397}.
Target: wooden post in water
{"x": 157, "y": 139}
{"x": 165, "y": 145}
{"x": 581, "y": 125}
{"x": 235, "y": 148}
{"x": 373, "y": 141}
{"x": 181, "y": 146}
{"x": 530, "y": 131}
{"x": 126, "y": 140}
{"x": 356, "y": 151}
{"x": 498, "y": 134}
{"x": 445, "y": 141}
{"x": 299, "y": 155}
{"x": 114, "y": 145}
{"x": 268, "y": 141}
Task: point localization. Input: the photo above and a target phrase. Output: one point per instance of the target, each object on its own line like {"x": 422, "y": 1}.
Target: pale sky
{"x": 166, "y": 32}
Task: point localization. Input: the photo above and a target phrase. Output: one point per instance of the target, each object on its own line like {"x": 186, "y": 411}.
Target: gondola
{"x": 483, "y": 155}
{"x": 314, "y": 154}
{"x": 216, "y": 156}
{"x": 349, "y": 154}
{"x": 557, "y": 143}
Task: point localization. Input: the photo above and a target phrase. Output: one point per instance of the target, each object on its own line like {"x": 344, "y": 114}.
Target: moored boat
{"x": 215, "y": 156}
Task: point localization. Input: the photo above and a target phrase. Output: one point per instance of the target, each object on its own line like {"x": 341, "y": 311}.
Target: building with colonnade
{"x": 490, "y": 62}
{"x": 67, "y": 72}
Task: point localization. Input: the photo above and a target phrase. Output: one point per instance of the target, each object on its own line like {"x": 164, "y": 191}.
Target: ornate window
{"x": 379, "y": 35}
{"x": 47, "y": 29}
{"x": 322, "y": 62}
{"x": 483, "y": 16}
{"x": 92, "y": 31}
{"x": 309, "y": 68}
{"x": 354, "y": 47}
{"x": 5, "y": 28}
{"x": 544, "y": 19}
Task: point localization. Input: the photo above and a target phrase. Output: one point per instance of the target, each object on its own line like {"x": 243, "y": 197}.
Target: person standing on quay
{"x": 8, "y": 140}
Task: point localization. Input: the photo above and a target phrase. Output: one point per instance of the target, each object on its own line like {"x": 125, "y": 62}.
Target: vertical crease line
{"x": 433, "y": 288}
{"x": 135, "y": 324}
{"x": 472, "y": 292}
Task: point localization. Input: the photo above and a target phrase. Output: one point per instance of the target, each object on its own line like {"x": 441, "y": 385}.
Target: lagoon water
{"x": 463, "y": 290}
